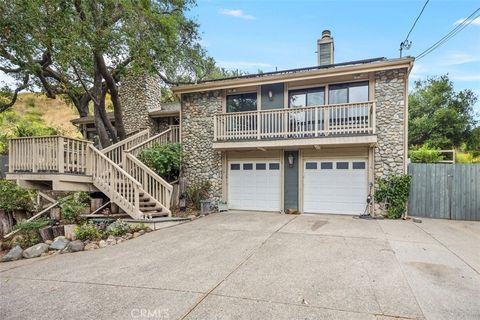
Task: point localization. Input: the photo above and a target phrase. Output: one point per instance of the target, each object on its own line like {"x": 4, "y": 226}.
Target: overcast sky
{"x": 252, "y": 35}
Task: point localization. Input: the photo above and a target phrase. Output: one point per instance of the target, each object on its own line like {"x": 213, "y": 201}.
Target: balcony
{"x": 351, "y": 123}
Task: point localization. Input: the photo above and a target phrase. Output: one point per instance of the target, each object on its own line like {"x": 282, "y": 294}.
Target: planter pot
{"x": 113, "y": 208}
{"x": 95, "y": 203}
{"x": 69, "y": 230}
{"x": 46, "y": 233}
{"x": 58, "y": 231}
{"x": 55, "y": 214}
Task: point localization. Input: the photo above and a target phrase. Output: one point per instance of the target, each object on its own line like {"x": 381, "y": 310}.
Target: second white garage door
{"x": 335, "y": 186}
{"x": 254, "y": 185}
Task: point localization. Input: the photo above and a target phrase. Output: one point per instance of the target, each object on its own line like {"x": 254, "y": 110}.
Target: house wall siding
{"x": 201, "y": 161}
{"x": 390, "y": 98}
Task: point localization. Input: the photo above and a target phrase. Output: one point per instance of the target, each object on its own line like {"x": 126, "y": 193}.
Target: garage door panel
{"x": 328, "y": 189}
{"x": 255, "y": 189}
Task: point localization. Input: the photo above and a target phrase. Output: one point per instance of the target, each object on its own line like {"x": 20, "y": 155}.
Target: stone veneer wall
{"x": 138, "y": 95}
{"x": 201, "y": 161}
{"x": 390, "y": 98}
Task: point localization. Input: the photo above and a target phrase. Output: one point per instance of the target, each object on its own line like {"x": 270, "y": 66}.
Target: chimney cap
{"x": 326, "y": 33}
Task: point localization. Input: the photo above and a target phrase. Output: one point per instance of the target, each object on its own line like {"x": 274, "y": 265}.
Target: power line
{"x": 405, "y": 44}
{"x": 451, "y": 34}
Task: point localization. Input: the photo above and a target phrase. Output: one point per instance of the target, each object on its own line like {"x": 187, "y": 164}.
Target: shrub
{"x": 26, "y": 238}
{"x": 165, "y": 160}
{"x": 72, "y": 206}
{"x": 32, "y": 225}
{"x": 138, "y": 227}
{"x": 393, "y": 192}
{"x": 466, "y": 157}
{"x": 425, "y": 154}
{"x": 120, "y": 228}
{"x": 13, "y": 197}
{"x": 87, "y": 231}
{"x": 197, "y": 192}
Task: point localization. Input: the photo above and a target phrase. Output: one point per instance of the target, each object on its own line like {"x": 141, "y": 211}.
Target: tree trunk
{"x": 113, "y": 89}
{"x": 46, "y": 233}
{"x": 58, "y": 231}
{"x": 99, "y": 123}
{"x": 105, "y": 118}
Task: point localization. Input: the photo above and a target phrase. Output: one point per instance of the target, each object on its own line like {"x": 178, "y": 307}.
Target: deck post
{"x": 60, "y": 155}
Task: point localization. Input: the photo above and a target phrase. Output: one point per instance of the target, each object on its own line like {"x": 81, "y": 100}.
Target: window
{"x": 342, "y": 165}
{"x": 306, "y": 97}
{"x": 235, "y": 166}
{"x": 358, "y": 165}
{"x": 248, "y": 166}
{"x": 274, "y": 166}
{"x": 261, "y": 166}
{"x": 242, "y": 102}
{"x": 326, "y": 165}
{"x": 348, "y": 93}
{"x": 311, "y": 165}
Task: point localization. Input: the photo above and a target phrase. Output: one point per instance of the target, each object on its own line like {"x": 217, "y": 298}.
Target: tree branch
{"x": 23, "y": 86}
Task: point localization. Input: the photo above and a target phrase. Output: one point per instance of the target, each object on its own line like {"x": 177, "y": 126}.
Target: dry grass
{"x": 55, "y": 112}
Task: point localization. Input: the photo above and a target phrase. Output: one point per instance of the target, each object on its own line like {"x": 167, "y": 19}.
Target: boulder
{"x": 59, "y": 243}
{"x": 141, "y": 232}
{"x": 49, "y": 242}
{"x": 102, "y": 244}
{"x": 136, "y": 234}
{"x": 111, "y": 241}
{"x": 35, "y": 251}
{"x": 91, "y": 246}
{"x": 128, "y": 236}
{"x": 119, "y": 240}
{"x": 14, "y": 254}
{"x": 75, "y": 246}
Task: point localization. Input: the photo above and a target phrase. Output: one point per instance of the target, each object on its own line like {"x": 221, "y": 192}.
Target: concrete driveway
{"x": 260, "y": 266}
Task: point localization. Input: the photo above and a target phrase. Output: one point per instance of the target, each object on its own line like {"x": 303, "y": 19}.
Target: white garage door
{"x": 254, "y": 185}
{"x": 335, "y": 186}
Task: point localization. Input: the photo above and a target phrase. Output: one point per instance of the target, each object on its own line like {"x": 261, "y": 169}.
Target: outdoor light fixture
{"x": 291, "y": 160}
{"x": 270, "y": 95}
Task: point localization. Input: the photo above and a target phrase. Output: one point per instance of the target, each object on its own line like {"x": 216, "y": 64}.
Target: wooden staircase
{"x": 116, "y": 171}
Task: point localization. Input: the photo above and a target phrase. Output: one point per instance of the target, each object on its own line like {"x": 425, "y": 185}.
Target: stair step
{"x": 149, "y": 209}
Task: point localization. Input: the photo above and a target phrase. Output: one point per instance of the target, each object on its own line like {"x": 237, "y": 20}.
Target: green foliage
{"x": 73, "y": 205}
{"x": 466, "y": 157}
{"x": 31, "y": 124}
{"x": 120, "y": 228}
{"x": 196, "y": 193}
{"x": 32, "y": 225}
{"x": 165, "y": 160}
{"x": 393, "y": 192}
{"x": 87, "y": 231}
{"x": 14, "y": 197}
{"x": 26, "y": 238}
{"x": 138, "y": 227}
{"x": 425, "y": 154}
{"x": 440, "y": 116}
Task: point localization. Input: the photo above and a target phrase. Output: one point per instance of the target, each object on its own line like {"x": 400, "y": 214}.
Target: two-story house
{"x": 313, "y": 139}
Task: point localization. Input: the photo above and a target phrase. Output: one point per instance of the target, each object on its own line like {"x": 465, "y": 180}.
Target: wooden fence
{"x": 447, "y": 191}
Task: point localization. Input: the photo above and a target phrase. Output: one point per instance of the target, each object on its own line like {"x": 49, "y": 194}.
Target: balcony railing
{"x": 306, "y": 122}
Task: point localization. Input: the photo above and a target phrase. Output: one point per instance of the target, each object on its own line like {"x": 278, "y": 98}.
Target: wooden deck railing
{"x": 116, "y": 183}
{"x": 315, "y": 121}
{"x": 115, "y": 151}
{"x": 49, "y": 154}
{"x": 171, "y": 135}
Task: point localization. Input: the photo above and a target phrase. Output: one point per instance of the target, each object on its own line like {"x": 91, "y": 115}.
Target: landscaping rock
{"x": 141, "y": 232}
{"x": 35, "y": 251}
{"x": 128, "y": 236}
{"x": 111, "y": 241}
{"x": 91, "y": 246}
{"x": 119, "y": 240}
{"x": 59, "y": 243}
{"x": 49, "y": 242}
{"x": 75, "y": 246}
{"x": 14, "y": 254}
{"x": 136, "y": 234}
{"x": 148, "y": 229}
{"x": 102, "y": 244}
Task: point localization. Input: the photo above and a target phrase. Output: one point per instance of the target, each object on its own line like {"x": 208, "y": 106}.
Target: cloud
{"x": 243, "y": 64}
{"x": 475, "y": 21}
{"x": 460, "y": 58}
{"x": 237, "y": 13}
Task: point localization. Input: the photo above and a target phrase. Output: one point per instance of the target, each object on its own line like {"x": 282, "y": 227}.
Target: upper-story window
{"x": 348, "y": 92}
{"x": 242, "y": 102}
{"x": 306, "y": 97}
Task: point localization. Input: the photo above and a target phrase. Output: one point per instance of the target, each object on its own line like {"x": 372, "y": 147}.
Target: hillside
{"x": 54, "y": 112}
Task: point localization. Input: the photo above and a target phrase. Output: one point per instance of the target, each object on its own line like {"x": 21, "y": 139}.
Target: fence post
{"x": 60, "y": 155}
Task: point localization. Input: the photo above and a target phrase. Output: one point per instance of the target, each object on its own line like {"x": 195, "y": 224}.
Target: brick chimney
{"x": 325, "y": 49}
